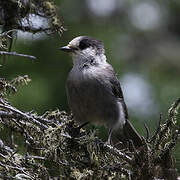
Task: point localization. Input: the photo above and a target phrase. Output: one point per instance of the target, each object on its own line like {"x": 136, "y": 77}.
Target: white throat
{"x": 85, "y": 56}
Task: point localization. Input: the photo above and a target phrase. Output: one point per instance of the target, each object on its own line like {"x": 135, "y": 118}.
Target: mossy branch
{"x": 54, "y": 140}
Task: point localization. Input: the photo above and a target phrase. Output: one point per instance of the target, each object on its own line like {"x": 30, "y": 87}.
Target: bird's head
{"x": 84, "y": 47}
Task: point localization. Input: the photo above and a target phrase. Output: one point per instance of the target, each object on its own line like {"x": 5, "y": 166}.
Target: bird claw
{"x": 106, "y": 143}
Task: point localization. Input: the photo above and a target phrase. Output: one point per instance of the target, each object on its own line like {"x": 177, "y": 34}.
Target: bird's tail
{"x": 129, "y": 133}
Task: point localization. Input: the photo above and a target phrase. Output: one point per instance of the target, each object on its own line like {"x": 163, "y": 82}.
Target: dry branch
{"x": 54, "y": 140}
{"x": 17, "y": 54}
{"x": 56, "y": 147}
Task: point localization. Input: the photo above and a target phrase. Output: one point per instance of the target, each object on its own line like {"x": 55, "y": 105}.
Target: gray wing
{"x": 116, "y": 89}
{"x": 128, "y": 129}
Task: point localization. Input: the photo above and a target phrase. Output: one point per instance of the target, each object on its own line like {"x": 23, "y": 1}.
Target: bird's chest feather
{"x": 82, "y": 84}
{"x": 88, "y": 97}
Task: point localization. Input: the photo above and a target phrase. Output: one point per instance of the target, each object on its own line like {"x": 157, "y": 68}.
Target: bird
{"x": 94, "y": 93}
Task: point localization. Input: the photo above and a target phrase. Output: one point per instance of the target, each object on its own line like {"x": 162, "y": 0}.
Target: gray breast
{"x": 90, "y": 98}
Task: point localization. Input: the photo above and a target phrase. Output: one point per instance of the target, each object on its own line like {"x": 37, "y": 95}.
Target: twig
{"x": 20, "y": 169}
{"x": 3, "y": 156}
{"x": 27, "y": 136}
{"x": 16, "y": 54}
{"x": 157, "y": 130}
{"x": 120, "y": 169}
{"x": 169, "y": 147}
{"x": 34, "y": 30}
{"x": 6, "y": 33}
{"x": 36, "y": 157}
{"x": 147, "y": 132}
{"x": 20, "y": 125}
{"x": 15, "y": 113}
{"x": 23, "y": 176}
{"x": 4, "y": 148}
{"x": 3, "y": 176}
{"x": 172, "y": 110}
{"x": 18, "y": 113}
{"x": 170, "y": 122}
{"x": 119, "y": 154}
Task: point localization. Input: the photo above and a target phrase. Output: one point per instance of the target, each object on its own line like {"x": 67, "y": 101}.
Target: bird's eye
{"x": 83, "y": 44}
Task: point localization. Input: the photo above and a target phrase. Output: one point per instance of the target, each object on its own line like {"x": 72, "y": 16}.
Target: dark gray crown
{"x": 86, "y": 42}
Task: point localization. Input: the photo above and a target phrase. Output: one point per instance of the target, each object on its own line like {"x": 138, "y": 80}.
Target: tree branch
{"x": 17, "y": 54}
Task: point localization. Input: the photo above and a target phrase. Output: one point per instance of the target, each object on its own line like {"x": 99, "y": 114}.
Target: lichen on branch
{"x": 55, "y": 146}
{"x": 17, "y": 15}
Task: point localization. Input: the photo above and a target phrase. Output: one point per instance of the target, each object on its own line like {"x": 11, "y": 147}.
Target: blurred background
{"x": 142, "y": 42}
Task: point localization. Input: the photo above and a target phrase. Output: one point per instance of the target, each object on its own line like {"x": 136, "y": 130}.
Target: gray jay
{"x": 94, "y": 92}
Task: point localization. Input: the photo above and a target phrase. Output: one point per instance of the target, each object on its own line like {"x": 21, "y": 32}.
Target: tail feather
{"x": 128, "y": 133}
{"x": 131, "y": 134}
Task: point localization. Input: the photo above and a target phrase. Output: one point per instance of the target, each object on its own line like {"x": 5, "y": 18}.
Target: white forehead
{"x": 75, "y": 41}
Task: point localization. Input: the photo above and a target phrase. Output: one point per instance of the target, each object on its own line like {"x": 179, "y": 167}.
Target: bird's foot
{"x": 108, "y": 142}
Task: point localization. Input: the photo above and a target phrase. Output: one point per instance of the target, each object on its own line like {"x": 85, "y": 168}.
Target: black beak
{"x": 66, "y": 49}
